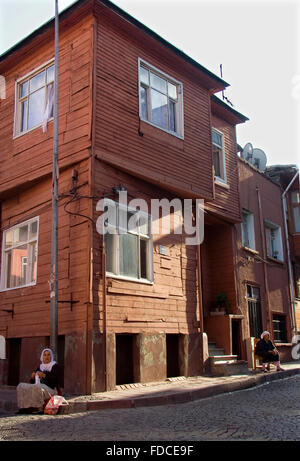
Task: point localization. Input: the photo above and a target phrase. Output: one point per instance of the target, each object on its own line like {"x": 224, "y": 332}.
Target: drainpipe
{"x": 104, "y": 313}
{"x": 265, "y": 258}
{"x": 291, "y": 284}
{"x": 200, "y": 288}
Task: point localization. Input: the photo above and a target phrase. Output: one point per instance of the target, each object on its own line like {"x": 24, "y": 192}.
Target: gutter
{"x": 292, "y": 290}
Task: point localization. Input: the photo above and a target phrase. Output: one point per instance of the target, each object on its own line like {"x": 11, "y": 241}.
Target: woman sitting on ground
{"x": 268, "y": 352}
{"x": 44, "y": 383}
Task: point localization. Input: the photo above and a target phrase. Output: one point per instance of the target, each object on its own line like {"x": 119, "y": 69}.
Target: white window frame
{"x": 3, "y": 283}
{"x": 18, "y": 83}
{"x": 277, "y": 241}
{"x": 179, "y": 113}
{"x": 116, "y": 232}
{"x": 221, "y": 158}
{"x": 249, "y": 240}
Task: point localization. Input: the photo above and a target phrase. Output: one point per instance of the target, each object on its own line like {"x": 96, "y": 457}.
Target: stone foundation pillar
{"x": 152, "y": 357}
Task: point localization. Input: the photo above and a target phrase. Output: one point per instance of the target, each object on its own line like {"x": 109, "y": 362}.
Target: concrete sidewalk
{"x": 172, "y": 391}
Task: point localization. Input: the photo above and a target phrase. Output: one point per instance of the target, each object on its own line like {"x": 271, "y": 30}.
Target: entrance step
{"x": 230, "y": 366}
{"x": 224, "y": 358}
{"x": 216, "y": 351}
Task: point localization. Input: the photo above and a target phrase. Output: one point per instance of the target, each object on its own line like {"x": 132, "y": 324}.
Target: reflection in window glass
{"x": 159, "y": 109}
{"x": 160, "y": 101}
{"x": 36, "y": 108}
{"x": 19, "y": 257}
{"x": 37, "y": 82}
{"x": 128, "y": 255}
{"x": 128, "y": 243}
{"x": 158, "y": 83}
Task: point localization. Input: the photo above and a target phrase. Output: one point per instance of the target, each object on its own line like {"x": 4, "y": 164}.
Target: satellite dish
{"x": 247, "y": 152}
{"x": 259, "y": 159}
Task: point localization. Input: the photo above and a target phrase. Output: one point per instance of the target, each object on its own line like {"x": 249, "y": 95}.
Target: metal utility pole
{"x": 54, "y": 234}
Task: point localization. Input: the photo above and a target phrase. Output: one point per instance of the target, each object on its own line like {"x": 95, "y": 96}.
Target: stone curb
{"x": 176, "y": 397}
{"x": 170, "y": 398}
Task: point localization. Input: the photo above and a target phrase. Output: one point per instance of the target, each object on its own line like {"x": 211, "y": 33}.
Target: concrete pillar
{"x": 152, "y": 357}
{"x": 191, "y": 355}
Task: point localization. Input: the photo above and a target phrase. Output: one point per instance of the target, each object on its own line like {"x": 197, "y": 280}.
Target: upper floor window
{"x": 34, "y": 99}
{"x": 128, "y": 242}
{"x": 19, "y": 255}
{"x": 248, "y": 237}
{"x": 219, "y": 155}
{"x": 295, "y": 202}
{"x": 160, "y": 99}
{"x": 273, "y": 241}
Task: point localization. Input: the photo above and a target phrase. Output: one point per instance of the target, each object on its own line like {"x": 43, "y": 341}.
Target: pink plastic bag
{"x": 53, "y": 405}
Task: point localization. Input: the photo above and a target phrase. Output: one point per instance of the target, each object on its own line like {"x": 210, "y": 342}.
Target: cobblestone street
{"x": 268, "y": 412}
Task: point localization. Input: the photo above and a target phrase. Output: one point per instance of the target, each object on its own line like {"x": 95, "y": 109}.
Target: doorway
{"x": 236, "y": 338}
{"x": 173, "y": 368}
{"x": 254, "y": 311}
{"x": 14, "y": 355}
{"x": 124, "y": 359}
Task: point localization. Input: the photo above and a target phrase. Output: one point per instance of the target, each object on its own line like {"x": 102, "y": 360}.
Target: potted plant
{"x": 222, "y": 302}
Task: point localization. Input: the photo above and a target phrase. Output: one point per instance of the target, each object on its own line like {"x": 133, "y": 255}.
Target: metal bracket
{"x": 70, "y": 301}
{"x": 12, "y": 311}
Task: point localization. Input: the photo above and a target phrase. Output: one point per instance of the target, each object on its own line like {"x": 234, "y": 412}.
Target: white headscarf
{"x": 265, "y": 333}
{"x": 47, "y": 366}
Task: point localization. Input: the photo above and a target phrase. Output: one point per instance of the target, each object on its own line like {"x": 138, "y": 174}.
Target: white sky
{"x": 258, "y": 43}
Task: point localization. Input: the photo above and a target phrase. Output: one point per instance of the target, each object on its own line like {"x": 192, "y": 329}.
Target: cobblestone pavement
{"x": 268, "y": 412}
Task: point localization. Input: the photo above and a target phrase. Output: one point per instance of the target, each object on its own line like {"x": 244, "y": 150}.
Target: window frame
{"x": 179, "y": 108}
{"x": 223, "y": 159}
{"x": 250, "y": 230}
{"x": 272, "y": 226}
{"x": 17, "y": 115}
{"x": 283, "y": 331}
{"x": 140, "y": 236}
{"x": 3, "y": 278}
{"x": 294, "y": 206}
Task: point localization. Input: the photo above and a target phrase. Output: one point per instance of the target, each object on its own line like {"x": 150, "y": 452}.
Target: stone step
{"x": 239, "y": 367}
{"x": 216, "y": 351}
{"x": 224, "y": 358}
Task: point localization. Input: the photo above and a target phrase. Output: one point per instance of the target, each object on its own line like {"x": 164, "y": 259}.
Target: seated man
{"x": 268, "y": 352}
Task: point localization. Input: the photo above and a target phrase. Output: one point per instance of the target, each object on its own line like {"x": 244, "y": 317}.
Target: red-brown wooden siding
{"x": 250, "y": 270}
{"x": 29, "y": 156}
{"x": 181, "y": 165}
{"x": 226, "y": 200}
{"x": 31, "y": 312}
{"x": 170, "y": 304}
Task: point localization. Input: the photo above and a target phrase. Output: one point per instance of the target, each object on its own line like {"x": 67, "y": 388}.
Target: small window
{"x": 248, "y": 237}
{"x": 219, "y": 155}
{"x": 34, "y": 99}
{"x": 160, "y": 99}
{"x": 297, "y": 280}
{"x": 128, "y": 242}
{"x": 19, "y": 255}
{"x": 279, "y": 328}
{"x": 295, "y": 203}
{"x": 273, "y": 241}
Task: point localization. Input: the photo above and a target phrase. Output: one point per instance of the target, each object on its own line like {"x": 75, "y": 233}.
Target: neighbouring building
{"x": 262, "y": 265}
{"x": 288, "y": 177}
{"x": 136, "y": 115}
